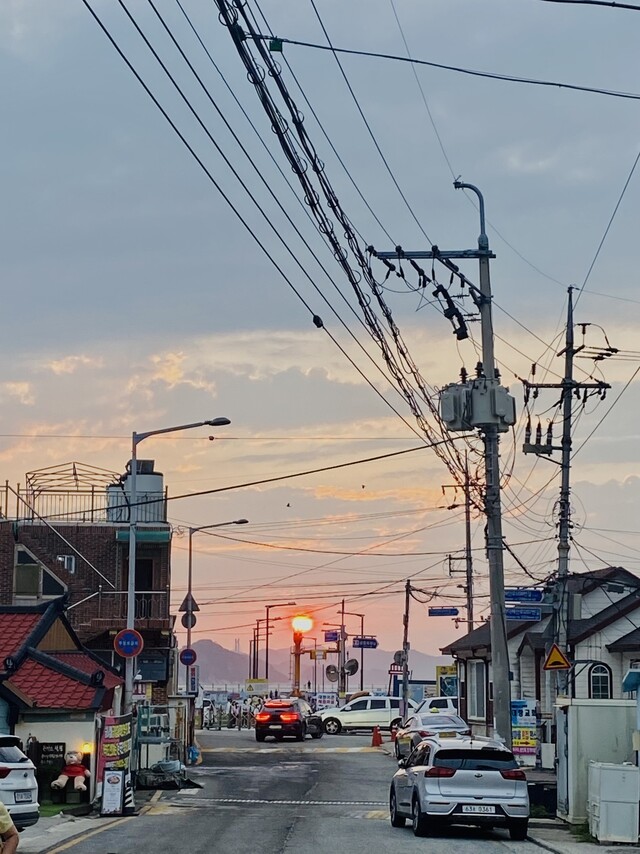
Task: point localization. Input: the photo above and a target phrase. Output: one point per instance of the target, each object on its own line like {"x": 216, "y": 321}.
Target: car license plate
{"x": 23, "y": 797}
{"x": 275, "y": 726}
{"x": 448, "y": 734}
{"x": 478, "y": 808}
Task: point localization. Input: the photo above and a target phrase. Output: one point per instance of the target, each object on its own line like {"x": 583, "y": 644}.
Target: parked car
{"x": 18, "y": 786}
{"x": 364, "y": 713}
{"x": 421, "y": 726}
{"x": 444, "y": 705}
{"x": 290, "y": 717}
{"x": 461, "y": 780}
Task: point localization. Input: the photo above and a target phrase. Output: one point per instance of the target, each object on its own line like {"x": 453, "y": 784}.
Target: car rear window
{"x": 486, "y": 759}
{"x": 11, "y": 754}
{"x": 280, "y": 707}
{"x": 440, "y": 720}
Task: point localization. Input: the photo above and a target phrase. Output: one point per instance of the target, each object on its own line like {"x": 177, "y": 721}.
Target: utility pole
{"x": 481, "y": 403}
{"x": 404, "y": 711}
{"x": 568, "y": 387}
{"x": 342, "y": 646}
{"x": 468, "y": 556}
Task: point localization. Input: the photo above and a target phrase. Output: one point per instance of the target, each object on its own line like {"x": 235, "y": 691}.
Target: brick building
{"x": 66, "y": 534}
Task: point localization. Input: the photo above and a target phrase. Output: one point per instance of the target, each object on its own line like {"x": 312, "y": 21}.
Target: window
{"x": 420, "y": 756}
{"x": 32, "y": 580}
{"x": 438, "y": 704}
{"x": 378, "y": 704}
{"x": 395, "y": 704}
{"x": 68, "y": 562}
{"x": 600, "y": 682}
{"x": 358, "y": 706}
{"x": 486, "y": 759}
{"x": 476, "y": 689}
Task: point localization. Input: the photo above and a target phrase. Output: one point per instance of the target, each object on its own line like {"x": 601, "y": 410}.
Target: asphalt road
{"x": 320, "y": 797}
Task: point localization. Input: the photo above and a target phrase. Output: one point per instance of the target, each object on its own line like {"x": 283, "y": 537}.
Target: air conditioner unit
{"x": 68, "y": 562}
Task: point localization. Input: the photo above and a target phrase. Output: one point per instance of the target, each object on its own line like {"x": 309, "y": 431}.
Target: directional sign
{"x": 188, "y": 656}
{"x": 556, "y": 659}
{"x": 364, "y": 643}
{"x": 523, "y": 594}
{"x": 331, "y": 637}
{"x": 443, "y": 612}
{"x": 128, "y": 643}
{"x": 530, "y": 614}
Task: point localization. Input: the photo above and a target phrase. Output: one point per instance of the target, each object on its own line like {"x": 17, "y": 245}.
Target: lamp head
{"x": 218, "y": 422}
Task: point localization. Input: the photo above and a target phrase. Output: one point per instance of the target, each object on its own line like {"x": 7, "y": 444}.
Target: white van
{"x": 364, "y": 713}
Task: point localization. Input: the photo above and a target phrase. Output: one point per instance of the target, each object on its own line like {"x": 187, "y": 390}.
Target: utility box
{"x": 613, "y": 803}
{"x": 476, "y": 404}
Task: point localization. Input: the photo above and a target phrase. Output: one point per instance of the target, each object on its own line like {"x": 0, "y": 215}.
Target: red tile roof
{"x": 51, "y": 690}
{"x": 85, "y": 664}
{"x": 16, "y": 628}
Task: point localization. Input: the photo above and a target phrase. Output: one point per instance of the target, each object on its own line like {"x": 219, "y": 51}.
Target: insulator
{"x": 527, "y": 432}
{"x": 539, "y": 434}
{"x": 550, "y": 434}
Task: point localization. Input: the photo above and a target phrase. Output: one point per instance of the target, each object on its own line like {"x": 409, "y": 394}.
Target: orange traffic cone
{"x": 394, "y": 730}
{"x": 376, "y": 738}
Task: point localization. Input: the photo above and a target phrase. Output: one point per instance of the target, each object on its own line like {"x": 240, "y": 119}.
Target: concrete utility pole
{"x": 481, "y": 403}
{"x": 404, "y": 711}
{"x": 568, "y": 388}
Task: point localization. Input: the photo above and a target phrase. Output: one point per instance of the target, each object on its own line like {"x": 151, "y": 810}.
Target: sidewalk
{"x": 57, "y": 829}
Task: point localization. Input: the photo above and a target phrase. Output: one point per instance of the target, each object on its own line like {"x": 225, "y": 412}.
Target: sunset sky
{"x": 136, "y": 299}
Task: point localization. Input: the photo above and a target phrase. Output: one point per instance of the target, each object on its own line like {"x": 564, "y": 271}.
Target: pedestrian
{"x": 8, "y": 832}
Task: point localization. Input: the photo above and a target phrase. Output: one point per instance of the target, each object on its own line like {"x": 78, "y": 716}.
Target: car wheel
{"x": 518, "y": 829}
{"x": 396, "y": 750}
{"x": 332, "y": 726}
{"x": 317, "y": 734}
{"x": 259, "y": 736}
{"x": 396, "y": 820}
{"x": 419, "y": 821}
{"x": 300, "y": 735}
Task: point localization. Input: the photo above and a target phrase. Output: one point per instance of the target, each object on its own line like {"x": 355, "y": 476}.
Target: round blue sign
{"x": 128, "y": 643}
{"x": 188, "y": 656}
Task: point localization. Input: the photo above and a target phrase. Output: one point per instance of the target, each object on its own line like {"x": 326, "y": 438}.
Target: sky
{"x": 136, "y": 298}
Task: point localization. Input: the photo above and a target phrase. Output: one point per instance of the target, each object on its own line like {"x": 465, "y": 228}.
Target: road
{"x": 320, "y": 797}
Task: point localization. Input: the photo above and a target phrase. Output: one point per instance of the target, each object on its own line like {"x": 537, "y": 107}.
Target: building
{"x": 603, "y": 643}
{"x": 65, "y": 536}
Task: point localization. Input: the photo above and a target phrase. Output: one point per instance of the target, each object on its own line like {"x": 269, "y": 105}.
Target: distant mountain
{"x": 223, "y": 666}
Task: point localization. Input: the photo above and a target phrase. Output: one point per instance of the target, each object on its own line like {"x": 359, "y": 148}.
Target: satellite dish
{"x": 332, "y": 673}
{"x": 351, "y": 666}
{"x": 398, "y": 657}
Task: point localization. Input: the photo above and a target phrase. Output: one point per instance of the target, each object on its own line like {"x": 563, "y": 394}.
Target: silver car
{"x": 418, "y": 727}
{"x": 463, "y": 780}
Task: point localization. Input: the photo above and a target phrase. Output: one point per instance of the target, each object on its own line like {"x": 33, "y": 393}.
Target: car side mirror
{"x": 402, "y": 763}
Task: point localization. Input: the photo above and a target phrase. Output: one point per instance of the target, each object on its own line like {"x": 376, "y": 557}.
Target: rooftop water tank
{"x": 150, "y": 495}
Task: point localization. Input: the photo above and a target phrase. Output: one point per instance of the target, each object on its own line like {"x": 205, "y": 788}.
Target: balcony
{"x": 105, "y": 610}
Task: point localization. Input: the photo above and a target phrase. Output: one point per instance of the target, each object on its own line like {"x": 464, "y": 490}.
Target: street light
{"x": 301, "y": 624}
{"x": 188, "y": 604}
{"x": 352, "y": 614}
{"x": 266, "y": 647}
{"x": 136, "y": 438}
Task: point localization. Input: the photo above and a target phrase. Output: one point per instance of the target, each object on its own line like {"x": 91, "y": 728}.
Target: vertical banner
{"x": 524, "y": 730}
{"x": 114, "y": 755}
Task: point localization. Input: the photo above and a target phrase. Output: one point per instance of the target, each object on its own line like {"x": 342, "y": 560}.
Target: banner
{"x": 524, "y": 728}
{"x": 447, "y": 680}
{"x": 114, "y": 745}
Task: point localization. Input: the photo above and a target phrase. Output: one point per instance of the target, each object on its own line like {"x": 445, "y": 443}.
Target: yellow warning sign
{"x": 556, "y": 659}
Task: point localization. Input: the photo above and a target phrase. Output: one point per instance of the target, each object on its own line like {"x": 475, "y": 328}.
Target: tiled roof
{"x": 48, "y": 689}
{"x": 15, "y": 630}
{"x": 87, "y": 664}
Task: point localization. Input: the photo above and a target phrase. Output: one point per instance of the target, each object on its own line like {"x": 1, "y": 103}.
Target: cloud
{"x": 70, "y": 364}
{"x": 21, "y": 391}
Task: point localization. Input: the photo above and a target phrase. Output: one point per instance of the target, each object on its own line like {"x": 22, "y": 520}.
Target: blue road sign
{"x": 443, "y": 612}
{"x": 188, "y": 656}
{"x": 128, "y": 643}
{"x": 364, "y": 643}
{"x": 532, "y": 614}
{"x": 522, "y": 594}
{"x": 331, "y": 637}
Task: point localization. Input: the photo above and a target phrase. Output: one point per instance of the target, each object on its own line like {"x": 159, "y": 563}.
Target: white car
{"x": 443, "y": 705}
{"x": 462, "y": 780}
{"x": 18, "y": 786}
{"x": 364, "y": 713}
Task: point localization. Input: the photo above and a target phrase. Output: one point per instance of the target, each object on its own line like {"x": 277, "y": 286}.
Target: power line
{"x": 473, "y": 73}
{"x": 596, "y": 3}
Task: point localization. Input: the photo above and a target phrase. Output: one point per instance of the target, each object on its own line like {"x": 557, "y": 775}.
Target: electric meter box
{"x": 612, "y": 805}
{"x": 477, "y": 404}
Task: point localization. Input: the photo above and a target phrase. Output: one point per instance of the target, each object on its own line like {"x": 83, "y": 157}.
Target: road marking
{"x": 83, "y": 836}
{"x": 260, "y": 750}
{"x": 279, "y": 802}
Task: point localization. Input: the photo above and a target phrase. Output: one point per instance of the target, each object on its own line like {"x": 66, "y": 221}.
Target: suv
{"x": 443, "y": 705}
{"x": 462, "y": 780}
{"x": 364, "y": 713}
{"x": 293, "y": 717}
{"x": 18, "y": 786}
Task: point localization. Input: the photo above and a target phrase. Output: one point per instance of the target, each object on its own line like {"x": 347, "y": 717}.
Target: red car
{"x": 291, "y": 717}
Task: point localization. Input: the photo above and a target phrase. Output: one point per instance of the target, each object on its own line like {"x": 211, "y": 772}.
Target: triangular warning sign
{"x": 556, "y": 659}
{"x": 189, "y": 604}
